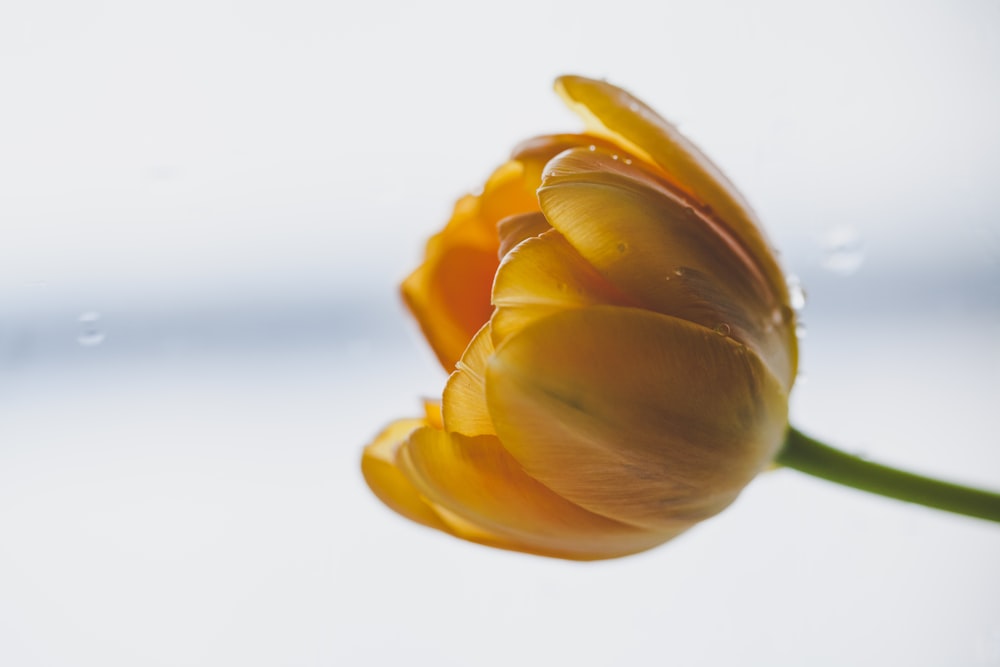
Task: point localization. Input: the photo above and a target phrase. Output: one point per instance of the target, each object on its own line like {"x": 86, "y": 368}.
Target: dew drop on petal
{"x": 843, "y": 251}
{"x": 723, "y": 329}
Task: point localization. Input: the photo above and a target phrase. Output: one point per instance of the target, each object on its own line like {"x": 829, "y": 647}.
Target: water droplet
{"x": 843, "y": 250}
{"x": 628, "y": 161}
{"x": 592, "y": 148}
{"x": 91, "y": 335}
{"x": 622, "y": 247}
{"x": 796, "y": 295}
{"x": 679, "y": 271}
{"x": 800, "y": 330}
{"x": 614, "y": 157}
{"x": 723, "y": 329}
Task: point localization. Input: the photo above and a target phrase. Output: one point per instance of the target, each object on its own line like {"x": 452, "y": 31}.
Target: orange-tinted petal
{"x": 614, "y": 113}
{"x": 449, "y": 293}
{"x": 388, "y": 483}
{"x": 485, "y": 496}
{"x": 446, "y": 295}
{"x": 542, "y": 276}
{"x": 634, "y": 415}
{"x": 655, "y": 246}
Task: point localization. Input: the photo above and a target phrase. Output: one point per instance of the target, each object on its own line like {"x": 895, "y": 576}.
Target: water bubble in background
{"x": 843, "y": 250}
{"x": 91, "y": 334}
{"x": 796, "y": 295}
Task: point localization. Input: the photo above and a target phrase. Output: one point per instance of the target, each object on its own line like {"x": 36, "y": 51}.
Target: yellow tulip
{"x": 621, "y": 340}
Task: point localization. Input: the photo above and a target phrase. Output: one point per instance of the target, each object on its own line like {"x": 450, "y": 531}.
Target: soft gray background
{"x": 206, "y": 207}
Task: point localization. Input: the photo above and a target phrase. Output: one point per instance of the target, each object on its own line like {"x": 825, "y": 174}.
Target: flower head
{"x": 621, "y": 341}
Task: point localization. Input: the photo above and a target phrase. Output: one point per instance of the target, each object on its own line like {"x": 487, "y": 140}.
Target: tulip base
{"x": 815, "y": 458}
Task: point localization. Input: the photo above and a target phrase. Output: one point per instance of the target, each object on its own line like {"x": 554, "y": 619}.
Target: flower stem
{"x": 815, "y": 458}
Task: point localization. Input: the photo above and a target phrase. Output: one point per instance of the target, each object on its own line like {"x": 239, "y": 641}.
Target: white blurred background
{"x": 206, "y": 208}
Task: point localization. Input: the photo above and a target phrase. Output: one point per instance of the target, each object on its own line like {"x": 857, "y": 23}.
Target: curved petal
{"x": 542, "y": 276}
{"x": 485, "y": 496}
{"x": 633, "y": 415}
{"x": 388, "y": 483}
{"x": 446, "y": 295}
{"x": 654, "y": 245}
{"x": 539, "y": 150}
{"x": 464, "y": 400}
{"x": 627, "y": 121}
{"x": 516, "y": 228}
{"x": 449, "y": 293}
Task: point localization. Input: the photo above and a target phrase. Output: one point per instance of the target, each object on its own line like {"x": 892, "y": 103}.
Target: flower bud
{"x": 621, "y": 341}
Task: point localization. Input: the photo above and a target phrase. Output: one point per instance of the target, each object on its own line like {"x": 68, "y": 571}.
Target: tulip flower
{"x": 621, "y": 345}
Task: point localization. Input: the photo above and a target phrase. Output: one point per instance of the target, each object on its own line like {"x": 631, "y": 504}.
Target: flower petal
{"x": 542, "y": 276}
{"x": 464, "y": 400}
{"x": 388, "y": 483}
{"x": 446, "y": 295}
{"x": 449, "y": 293}
{"x": 516, "y": 228}
{"x": 539, "y": 150}
{"x": 485, "y": 496}
{"x": 633, "y": 415}
{"x": 655, "y": 246}
{"x": 612, "y": 112}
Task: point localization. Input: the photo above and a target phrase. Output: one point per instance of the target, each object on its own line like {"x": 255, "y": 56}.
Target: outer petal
{"x": 378, "y": 464}
{"x": 634, "y": 415}
{"x": 653, "y": 244}
{"x": 627, "y": 121}
{"x": 485, "y": 496}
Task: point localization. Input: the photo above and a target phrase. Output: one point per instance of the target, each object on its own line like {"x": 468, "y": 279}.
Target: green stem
{"x": 815, "y": 458}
